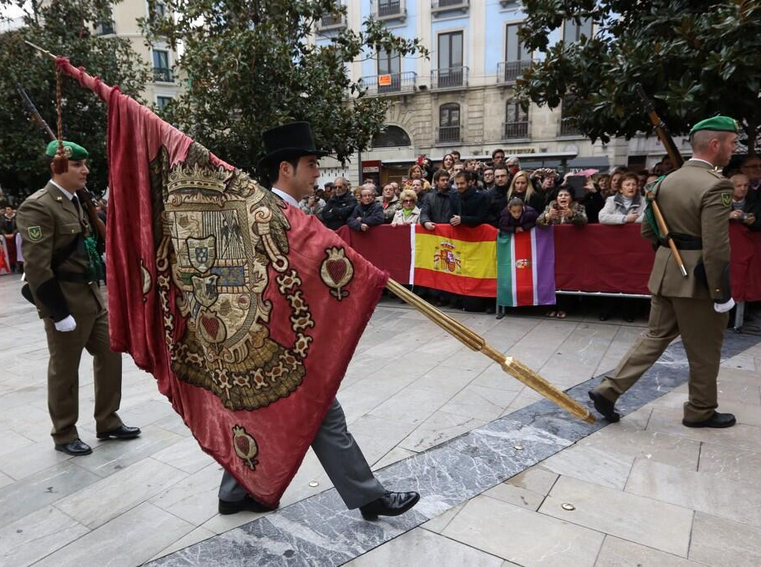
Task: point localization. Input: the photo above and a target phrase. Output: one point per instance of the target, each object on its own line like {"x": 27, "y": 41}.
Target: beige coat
{"x": 694, "y": 201}
{"x": 48, "y": 221}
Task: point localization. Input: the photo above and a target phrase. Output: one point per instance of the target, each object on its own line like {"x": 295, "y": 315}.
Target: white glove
{"x": 66, "y": 325}
{"x": 724, "y": 307}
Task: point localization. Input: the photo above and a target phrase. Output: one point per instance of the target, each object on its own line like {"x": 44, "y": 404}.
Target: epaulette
{"x": 717, "y": 173}
{"x": 39, "y": 193}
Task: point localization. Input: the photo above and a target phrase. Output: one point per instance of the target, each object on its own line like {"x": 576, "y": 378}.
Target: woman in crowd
{"x": 615, "y": 181}
{"x": 408, "y": 213}
{"x": 389, "y": 201}
{"x": 521, "y": 187}
{"x": 517, "y": 217}
{"x": 603, "y": 182}
{"x": 447, "y": 163}
{"x": 742, "y": 209}
{"x": 563, "y": 210}
{"x": 627, "y": 205}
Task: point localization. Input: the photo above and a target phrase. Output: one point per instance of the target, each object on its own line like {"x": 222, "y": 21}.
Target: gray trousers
{"x": 341, "y": 458}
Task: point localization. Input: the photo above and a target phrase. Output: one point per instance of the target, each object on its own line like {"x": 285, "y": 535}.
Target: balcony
{"x": 451, "y": 78}
{"x": 332, "y": 22}
{"x": 163, "y": 75}
{"x": 448, "y": 134}
{"x": 390, "y": 10}
{"x": 509, "y": 71}
{"x": 438, "y": 6}
{"x": 515, "y": 130}
{"x": 569, "y": 127}
{"x": 392, "y": 83}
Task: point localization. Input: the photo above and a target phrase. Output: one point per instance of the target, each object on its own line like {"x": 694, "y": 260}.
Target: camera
{"x": 745, "y": 217}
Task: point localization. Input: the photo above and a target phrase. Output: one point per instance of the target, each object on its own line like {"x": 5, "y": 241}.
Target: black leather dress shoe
{"x": 390, "y": 504}
{"x": 74, "y": 448}
{"x": 248, "y": 504}
{"x": 604, "y": 407}
{"x": 717, "y": 420}
{"x": 121, "y": 432}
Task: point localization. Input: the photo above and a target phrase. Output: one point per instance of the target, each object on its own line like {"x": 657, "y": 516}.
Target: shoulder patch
{"x": 726, "y": 199}
{"x": 35, "y": 233}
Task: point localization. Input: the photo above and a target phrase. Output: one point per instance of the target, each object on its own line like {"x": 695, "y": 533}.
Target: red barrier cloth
{"x": 386, "y": 246}
{"x": 594, "y": 258}
{"x": 245, "y": 310}
{"x": 604, "y": 258}
{"x": 746, "y": 263}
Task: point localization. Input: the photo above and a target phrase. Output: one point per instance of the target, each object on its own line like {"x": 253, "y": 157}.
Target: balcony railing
{"x": 509, "y": 71}
{"x": 569, "y": 127}
{"x": 451, "y": 78}
{"x": 448, "y": 134}
{"x": 163, "y": 75}
{"x": 390, "y": 10}
{"x": 513, "y": 130}
{"x": 444, "y": 5}
{"x": 391, "y": 83}
{"x": 332, "y": 22}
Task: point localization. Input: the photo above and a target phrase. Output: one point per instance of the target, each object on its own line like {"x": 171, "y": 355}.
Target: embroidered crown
{"x": 196, "y": 177}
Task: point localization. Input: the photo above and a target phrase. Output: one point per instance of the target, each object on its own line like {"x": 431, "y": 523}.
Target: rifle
{"x": 676, "y": 158}
{"x": 85, "y": 197}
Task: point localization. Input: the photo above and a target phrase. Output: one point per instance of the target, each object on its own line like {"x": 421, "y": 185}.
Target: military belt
{"x": 683, "y": 242}
{"x": 72, "y": 277}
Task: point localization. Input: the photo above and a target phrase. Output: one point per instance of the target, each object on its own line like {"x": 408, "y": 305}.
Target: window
{"x": 389, "y": 7}
{"x": 389, "y": 63}
{"x": 451, "y": 70}
{"x": 568, "y": 124}
{"x": 573, "y": 31}
{"x": 161, "y": 70}
{"x": 514, "y": 48}
{"x": 160, "y": 9}
{"x": 104, "y": 28}
{"x": 449, "y": 122}
{"x": 516, "y": 121}
{"x": 391, "y": 136}
{"x": 162, "y": 101}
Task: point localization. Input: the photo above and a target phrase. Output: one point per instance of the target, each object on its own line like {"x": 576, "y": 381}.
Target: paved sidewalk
{"x": 645, "y": 491}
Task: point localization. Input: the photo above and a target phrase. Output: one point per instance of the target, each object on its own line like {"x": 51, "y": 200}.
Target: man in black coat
{"x": 436, "y": 206}
{"x": 498, "y": 195}
{"x": 340, "y": 206}
{"x": 469, "y": 207}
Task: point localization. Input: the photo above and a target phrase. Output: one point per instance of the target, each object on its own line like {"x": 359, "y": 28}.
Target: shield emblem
{"x": 202, "y": 252}
{"x": 726, "y": 199}
{"x": 205, "y": 289}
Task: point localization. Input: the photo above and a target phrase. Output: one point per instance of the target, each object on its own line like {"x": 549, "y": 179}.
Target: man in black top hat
{"x": 292, "y": 167}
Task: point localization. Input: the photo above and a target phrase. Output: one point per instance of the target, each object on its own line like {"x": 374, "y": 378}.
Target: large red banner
{"x": 245, "y": 310}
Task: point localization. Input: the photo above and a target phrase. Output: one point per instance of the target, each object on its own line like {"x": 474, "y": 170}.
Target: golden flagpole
{"x": 475, "y": 342}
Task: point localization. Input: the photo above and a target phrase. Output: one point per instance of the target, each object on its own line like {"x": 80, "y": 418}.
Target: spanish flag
{"x": 526, "y": 268}
{"x": 457, "y": 259}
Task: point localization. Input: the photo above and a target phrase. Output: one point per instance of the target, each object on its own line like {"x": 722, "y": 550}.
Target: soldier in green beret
{"x": 56, "y": 239}
{"x": 695, "y": 201}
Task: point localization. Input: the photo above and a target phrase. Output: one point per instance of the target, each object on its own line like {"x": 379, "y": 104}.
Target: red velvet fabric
{"x": 284, "y": 429}
{"x": 392, "y": 250}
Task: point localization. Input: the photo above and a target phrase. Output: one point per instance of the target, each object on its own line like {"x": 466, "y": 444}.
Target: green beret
{"x": 717, "y": 124}
{"x": 72, "y": 150}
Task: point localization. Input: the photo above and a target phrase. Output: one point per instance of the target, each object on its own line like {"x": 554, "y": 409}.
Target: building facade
{"x": 461, "y": 98}
{"x": 160, "y": 56}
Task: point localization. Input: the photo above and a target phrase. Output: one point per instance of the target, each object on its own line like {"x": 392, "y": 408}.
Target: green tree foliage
{"x": 695, "y": 58}
{"x": 254, "y": 64}
{"x": 63, "y": 27}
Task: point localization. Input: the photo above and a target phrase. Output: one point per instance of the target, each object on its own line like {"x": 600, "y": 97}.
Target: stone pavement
{"x": 495, "y": 465}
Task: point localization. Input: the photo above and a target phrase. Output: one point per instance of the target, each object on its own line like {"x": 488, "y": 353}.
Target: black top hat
{"x": 289, "y": 141}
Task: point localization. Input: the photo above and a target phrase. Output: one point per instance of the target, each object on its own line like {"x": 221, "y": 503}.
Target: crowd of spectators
{"x": 501, "y": 193}
{"x": 476, "y": 192}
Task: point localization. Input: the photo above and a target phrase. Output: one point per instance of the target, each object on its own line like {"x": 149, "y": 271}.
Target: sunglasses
{"x": 408, "y": 200}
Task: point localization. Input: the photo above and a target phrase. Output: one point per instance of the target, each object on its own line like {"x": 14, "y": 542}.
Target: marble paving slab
{"x": 319, "y": 530}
